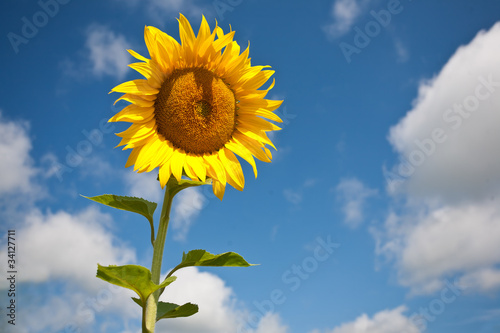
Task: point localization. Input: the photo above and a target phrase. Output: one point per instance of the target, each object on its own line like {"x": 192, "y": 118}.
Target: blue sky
{"x": 379, "y": 212}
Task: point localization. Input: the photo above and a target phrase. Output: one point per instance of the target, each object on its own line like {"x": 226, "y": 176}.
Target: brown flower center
{"x": 195, "y": 111}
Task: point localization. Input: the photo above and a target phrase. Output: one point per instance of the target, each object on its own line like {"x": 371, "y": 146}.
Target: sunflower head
{"x": 199, "y": 105}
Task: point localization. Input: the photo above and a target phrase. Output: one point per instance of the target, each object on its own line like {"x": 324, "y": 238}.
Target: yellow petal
{"x": 254, "y": 146}
{"x": 137, "y": 55}
{"x": 232, "y": 166}
{"x": 255, "y": 124}
{"x": 138, "y": 87}
{"x": 196, "y": 162}
{"x": 256, "y": 94}
{"x": 256, "y": 81}
{"x": 218, "y": 188}
{"x": 187, "y": 38}
{"x": 185, "y": 31}
{"x": 164, "y": 153}
{"x": 267, "y": 104}
{"x": 259, "y": 136}
{"x": 132, "y": 142}
{"x": 177, "y": 164}
{"x": 259, "y": 112}
{"x": 136, "y": 100}
{"x": 146, "y": 155}
{"x": 132, "y": 157}
{"x": 190, "y": 172}
{"x": 138, "y": 130}
{"x": 223, "y": 41}
{"x": 164, "y": 174}
{"x": 133, "y": 113}
{"x": 243, "y": 152}
{"x": 150, "y": 72}
{"x": 151, "y": 44}
{"x": 216, "y": 168}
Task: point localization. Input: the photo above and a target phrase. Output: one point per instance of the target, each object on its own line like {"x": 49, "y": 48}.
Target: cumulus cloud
{"x": 352, "y": 195}
{"x": 485, "y": 280}
{"x": 220, "y": 310}
{"x": 450, "y": 176}
{"x": 75, "y": 310}
{"x": 57, "y": 251}
{"x": 107, "y": 51}
{"x": 451, "y": 240}
{"x": 17, "y": 168}
{"x": 187, "y": 206}
{"x": 344, "y": 14}
{"x": 448, "y": 140}
{"x": 386, "y": 321}
{"x": 83, "y": 236}
{"x": 63, "y": 249}
{"x": 144, "y": 185}
{"x": 215, "y": 299}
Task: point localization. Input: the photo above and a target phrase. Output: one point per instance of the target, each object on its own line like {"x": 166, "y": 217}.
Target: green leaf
{"x": 204, "y": 258}
{"x": 170, "y": 310}
{"x": 132, "y": 204}
{"x": 136, "y": 278}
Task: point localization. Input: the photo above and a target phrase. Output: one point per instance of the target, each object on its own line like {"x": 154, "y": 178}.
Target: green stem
{"x": 149, "y": 311}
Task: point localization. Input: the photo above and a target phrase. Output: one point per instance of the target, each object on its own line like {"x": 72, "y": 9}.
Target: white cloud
{"x": 187, "y": 206}
{"x": 75, "y": 310}
{"x": 19, "y": 176}
{"x": 64, "y": 249}
{"x": 485, "y": 280}
{"x": 107, "y": 51}
{"x": 352, "y": 194}
{"x": 271, "y": 323}
{"x": 144, "y": 185}
{"x": 215, "y": 300}
{"x": 219, "y": 309}
{"x": 465, "y": 164}
{"x": 67, "y": 247}
{"x": 386, "y": 321}
{"x": 17, "y": 167}
{"x": 450, "y": 176}
{"x": 344, "y": 14}
{"x": 451, "y": 240}
{"x": 56, "y": 251}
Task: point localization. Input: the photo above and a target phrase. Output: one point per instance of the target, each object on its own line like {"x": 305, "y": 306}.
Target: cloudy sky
{"x": 380, "y": 212}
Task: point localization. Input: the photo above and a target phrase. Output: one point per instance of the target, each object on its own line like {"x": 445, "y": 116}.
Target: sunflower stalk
{"x": 150, "y": 309}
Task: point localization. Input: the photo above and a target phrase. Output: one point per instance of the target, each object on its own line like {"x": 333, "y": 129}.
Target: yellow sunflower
{"x": 199, "y": 105}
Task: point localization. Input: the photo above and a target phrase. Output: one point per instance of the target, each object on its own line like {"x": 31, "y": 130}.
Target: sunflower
{"x": 199, "y": 105}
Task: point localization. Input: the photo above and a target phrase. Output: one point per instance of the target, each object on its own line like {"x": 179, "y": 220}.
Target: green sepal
{"x": 132, "y": 204}
{"x": 167, "y": 310}
{"x": 136, "y": 278}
